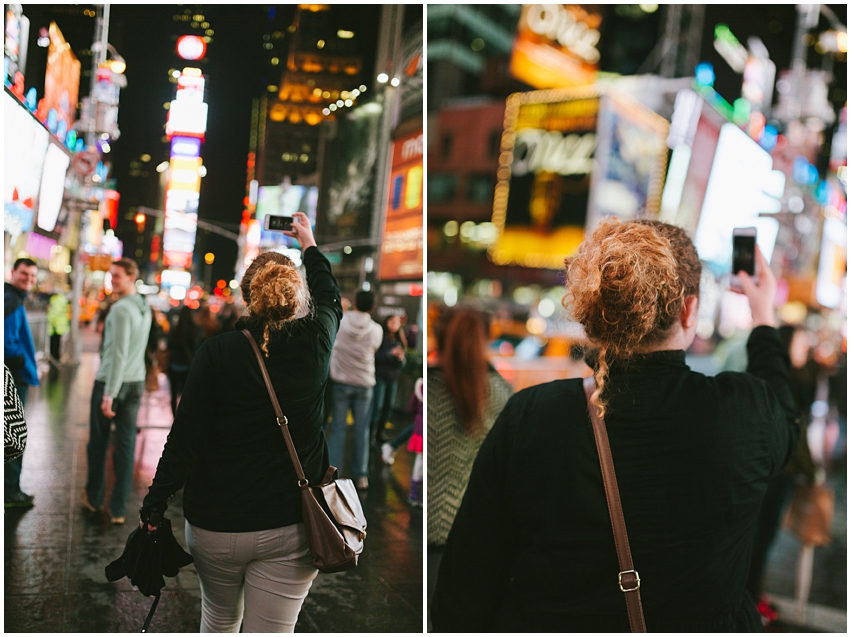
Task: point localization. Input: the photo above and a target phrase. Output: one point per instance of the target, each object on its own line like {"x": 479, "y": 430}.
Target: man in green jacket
{"x": 117, "y": 393}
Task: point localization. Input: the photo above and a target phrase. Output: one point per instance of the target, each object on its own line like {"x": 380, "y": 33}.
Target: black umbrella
{"x": 148, "y": 556}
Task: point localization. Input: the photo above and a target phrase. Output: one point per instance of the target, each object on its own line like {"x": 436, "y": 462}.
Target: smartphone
{"x": 744, "y": 253}
{"x": 279, "y": 223}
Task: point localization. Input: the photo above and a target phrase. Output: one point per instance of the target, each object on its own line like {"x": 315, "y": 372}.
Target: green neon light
{"x": 722, "y": 32}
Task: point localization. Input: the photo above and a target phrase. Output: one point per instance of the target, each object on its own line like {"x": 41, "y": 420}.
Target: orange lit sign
{"x": 556, "y": 46}
{"x": 402, "y": 246}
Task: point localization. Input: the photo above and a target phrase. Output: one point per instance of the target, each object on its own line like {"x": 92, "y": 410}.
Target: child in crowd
{"x": 415, "y": 445}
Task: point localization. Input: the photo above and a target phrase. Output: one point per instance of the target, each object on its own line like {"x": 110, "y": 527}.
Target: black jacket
{"x": 225, "y": 444}
{"x": 388, "y": 366}
{"x": 531, "y": 548}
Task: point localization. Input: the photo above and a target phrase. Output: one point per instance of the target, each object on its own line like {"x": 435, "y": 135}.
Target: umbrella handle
{"x": 151, "y": 612}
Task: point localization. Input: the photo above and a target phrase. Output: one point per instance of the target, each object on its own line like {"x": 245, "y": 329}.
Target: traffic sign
{"x": 85, "y": 163}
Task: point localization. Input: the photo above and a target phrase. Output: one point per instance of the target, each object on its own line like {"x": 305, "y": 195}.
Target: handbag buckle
{"x": 621, "y": 582}
{"x": 282, "y": 421}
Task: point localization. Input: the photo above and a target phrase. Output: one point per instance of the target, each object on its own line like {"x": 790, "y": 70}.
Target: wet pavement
{"x": 55, "y": 553}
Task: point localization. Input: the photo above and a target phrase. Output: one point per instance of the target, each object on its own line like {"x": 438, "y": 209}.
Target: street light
{"x": 117, "y": 63}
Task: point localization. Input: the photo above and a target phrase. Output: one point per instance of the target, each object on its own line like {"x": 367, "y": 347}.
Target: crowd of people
{"x": 705, "y": 464}
{"x": 238, "y": 479}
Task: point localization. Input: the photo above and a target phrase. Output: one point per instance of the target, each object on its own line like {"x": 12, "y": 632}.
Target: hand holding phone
{"x": 761, "y": 292}
{"x": 301, "y": 230}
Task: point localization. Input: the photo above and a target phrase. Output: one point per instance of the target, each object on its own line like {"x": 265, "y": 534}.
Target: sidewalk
{"x": 55, "y": 553}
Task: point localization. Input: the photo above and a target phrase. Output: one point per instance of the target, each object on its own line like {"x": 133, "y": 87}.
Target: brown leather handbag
{"x": 331, "y": 510}
{"x": 628, "y": 579}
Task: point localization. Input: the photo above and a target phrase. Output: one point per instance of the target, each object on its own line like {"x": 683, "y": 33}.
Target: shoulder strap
{"x": 628, "y": 579}
{"x": 282, "y": 420}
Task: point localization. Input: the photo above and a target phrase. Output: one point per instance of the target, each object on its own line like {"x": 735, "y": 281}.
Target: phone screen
{"x": 744, "y": 254}
{"x": 276, "y": 222}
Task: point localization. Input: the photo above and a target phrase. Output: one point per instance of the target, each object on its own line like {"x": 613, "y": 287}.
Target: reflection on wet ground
{"x": 55, "y": 553}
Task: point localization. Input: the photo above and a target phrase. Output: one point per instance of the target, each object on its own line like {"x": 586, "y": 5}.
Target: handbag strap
{"x": 282, "y": 420}
{"x": 628, "y": 579}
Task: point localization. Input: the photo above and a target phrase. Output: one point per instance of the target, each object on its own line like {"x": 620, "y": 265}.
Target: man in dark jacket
{"x": 19, "y": 356}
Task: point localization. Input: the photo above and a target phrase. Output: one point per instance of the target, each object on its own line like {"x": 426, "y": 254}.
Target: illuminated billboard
{"x": 52, "y": 189}
{"x": 742, "y": 184}
{"x": 186, "y": 125}
{"x": 183, "y": 174}
{"x": 402, "y": 242}
{"x": 61, "y": 79}
{"x": 24, "y": 148}
{"x": 831, "y": 283}
{"x": 629, "y": 163}
{"x": 284, "y": 200}
{"x": 556, "y": 46}
{"x": 186, "y": 117}
{"x": 185, "y": 146}
{"x": 544, "y": 176}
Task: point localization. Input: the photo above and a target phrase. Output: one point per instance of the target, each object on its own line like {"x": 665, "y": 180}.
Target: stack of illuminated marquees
{"x": 187, "y": 123}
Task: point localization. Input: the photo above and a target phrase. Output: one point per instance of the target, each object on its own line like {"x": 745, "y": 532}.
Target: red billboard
{"x": 402, "y": 244}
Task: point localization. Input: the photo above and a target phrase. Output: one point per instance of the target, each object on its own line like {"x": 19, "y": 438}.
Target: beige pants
{"x": 260, "y": 578}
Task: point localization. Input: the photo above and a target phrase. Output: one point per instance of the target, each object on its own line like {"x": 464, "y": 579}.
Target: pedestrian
{"x": 353, "y": 375}
{"x": 241, "y": 499}
{"x": 208, "y": 322}
{"x": 465, "y": 395}
{"x": 117, "y": 392}
{"x": 14, "y": 420}
{"x": 183, "y": 342}
{"x": 19, "y": 357}
{"x": 58, "y": 318}
{"x": 389, "y": 360}
{"x": 415, "y": 445}
{"x": 692, "y": 455}
{"x": 800, "y": 468}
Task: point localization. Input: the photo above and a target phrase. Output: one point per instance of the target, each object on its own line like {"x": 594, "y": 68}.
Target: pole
{"x": 389, "y": 39}
{"x": 74, "y": 345}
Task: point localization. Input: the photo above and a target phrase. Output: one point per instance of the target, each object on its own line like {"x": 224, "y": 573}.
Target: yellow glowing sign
{"x": 545, "y": 165}
{"x": 183, "y": 174}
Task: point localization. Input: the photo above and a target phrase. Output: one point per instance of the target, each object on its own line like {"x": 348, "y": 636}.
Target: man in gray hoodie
{"x": 117, "y": 394}
{"x": 353, "y": 377}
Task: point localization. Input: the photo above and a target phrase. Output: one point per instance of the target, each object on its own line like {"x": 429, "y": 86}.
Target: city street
{"x": 55, "y": 553}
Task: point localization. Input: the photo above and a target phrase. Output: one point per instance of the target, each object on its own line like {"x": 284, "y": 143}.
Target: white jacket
{"x": 353, "y": 356}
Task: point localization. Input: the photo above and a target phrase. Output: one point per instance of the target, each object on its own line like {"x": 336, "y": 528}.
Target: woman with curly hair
{"x": 531, "y": 548}
{"x": 241, "y": 499}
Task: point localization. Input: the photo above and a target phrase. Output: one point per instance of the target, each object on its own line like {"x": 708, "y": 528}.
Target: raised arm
{"x": 321, "y": 282}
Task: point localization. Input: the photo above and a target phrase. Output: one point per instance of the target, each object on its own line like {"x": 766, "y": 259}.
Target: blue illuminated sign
{"x": 185, "y": 146}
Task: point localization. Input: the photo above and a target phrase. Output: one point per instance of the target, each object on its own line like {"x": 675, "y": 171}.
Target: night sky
{"x": 237, "y": 70}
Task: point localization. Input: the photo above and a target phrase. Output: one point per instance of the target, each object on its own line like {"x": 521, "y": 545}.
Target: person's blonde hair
{"x": 274, "y": 293}
{"x": 627, "y": 285}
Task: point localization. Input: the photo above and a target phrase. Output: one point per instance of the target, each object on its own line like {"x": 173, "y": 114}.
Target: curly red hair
{"x": 627, "y": 286}
{"x": 274, "y": 293}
